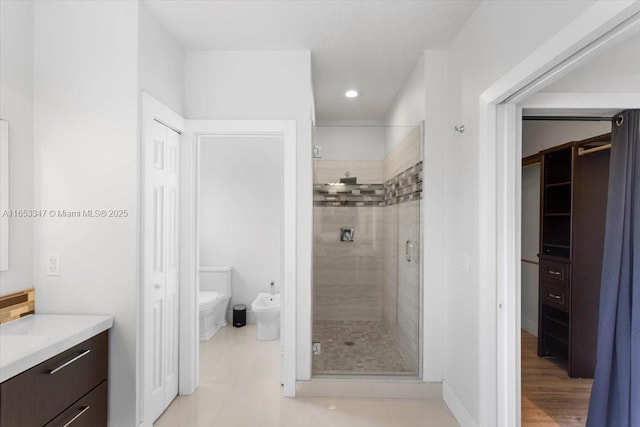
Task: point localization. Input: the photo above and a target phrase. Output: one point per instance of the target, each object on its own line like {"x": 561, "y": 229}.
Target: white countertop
{"x": 30, "y": 340}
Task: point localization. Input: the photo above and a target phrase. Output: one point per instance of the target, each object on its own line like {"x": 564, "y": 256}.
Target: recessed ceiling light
{"x": 351, "y": 93}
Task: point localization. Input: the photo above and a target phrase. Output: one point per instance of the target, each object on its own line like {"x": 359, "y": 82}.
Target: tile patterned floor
{"x": 239, "y": 387}
{"x": 370, "y": 350}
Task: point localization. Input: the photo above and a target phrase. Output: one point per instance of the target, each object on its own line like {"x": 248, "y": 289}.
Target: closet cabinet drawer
{"x": 555, "y": 296}
{"x": 554, "y": 272}
{"x": 90, "y": 411}
{"x": 35, "y": 397}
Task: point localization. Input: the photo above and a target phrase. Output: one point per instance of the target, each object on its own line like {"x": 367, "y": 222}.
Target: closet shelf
{"x": 553, "y": 245}
{"x": 573, "y": 201}
{"x": 558, "y": 184}
{"x": 557, "y": 337}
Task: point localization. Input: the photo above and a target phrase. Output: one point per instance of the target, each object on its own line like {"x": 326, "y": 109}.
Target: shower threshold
{"x": 373, "y": 376}
{"x": 368, "y": 387}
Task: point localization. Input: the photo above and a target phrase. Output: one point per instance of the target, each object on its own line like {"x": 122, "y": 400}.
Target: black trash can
{"x": 239, "y": 315}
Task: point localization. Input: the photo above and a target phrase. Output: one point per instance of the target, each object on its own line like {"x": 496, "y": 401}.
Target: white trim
{"x": 578, "y": 101}
{"x": 150, "y": 110}
{"x": 601, "y": 26}
{"x": 456, "y": 407}
{"x": 196, "y": 129}
{"x": 487, "y": 266}
{"x": 509, "y": 120}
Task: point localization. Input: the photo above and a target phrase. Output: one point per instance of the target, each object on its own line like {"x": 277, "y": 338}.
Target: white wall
{"x": 16, "y": 107}
{"x": 434, "y": 196}
{"x": 247, "y": 84}
{"x": 530, "y": 246}
{"x": 422, "y": 98}
{"x": 86, "y": 157}
{"x": 616, "y": 70}
{"x": 265, "y": 85}
{"x": 481, "y": 53}
{"x": 160, "y": 62}
{"x": 408, "y": 108}
{"x": 350, "y": 142}
{"x": 241, "y": 212}
{"x": 538, "y": 135}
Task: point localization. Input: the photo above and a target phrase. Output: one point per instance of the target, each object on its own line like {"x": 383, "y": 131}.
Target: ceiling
{"x": 371, "y": 46}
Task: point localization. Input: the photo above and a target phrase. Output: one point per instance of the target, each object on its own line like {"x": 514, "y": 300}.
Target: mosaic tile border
{"x": 404, "y": 187}
{"x": 16, "y": 305}
{"x": 348, "y": 195}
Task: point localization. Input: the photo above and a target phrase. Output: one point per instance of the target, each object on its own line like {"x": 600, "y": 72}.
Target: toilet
{"x": 213, "y": 299}
{"x": 266, "y": 307}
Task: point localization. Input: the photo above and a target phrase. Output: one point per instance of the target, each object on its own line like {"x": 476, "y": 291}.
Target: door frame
{"x": 189, "y": 231}
{"x": 603, "y": 25}
{"x": 151, "y": 111}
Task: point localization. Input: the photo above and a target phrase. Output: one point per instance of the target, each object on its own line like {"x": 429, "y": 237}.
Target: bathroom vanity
{"x": 54, "y": 371}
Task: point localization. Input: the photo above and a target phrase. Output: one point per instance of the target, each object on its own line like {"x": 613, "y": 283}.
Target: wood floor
{"x": 549, "y": 396}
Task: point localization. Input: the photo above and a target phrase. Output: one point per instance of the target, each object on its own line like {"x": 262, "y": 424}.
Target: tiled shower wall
{"x": 367, "y": 171}
{"x": 347, "y": 275}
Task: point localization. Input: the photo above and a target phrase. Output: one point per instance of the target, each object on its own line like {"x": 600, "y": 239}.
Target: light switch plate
{"x": 53, "y": 265}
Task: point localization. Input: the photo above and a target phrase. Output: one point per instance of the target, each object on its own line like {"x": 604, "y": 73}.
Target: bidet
{"x": 266, "y": 307}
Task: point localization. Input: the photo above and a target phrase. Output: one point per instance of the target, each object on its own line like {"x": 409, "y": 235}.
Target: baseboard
{"x": 530, "y": 326}
{"x": 369, "y": 389}
{"x": 456, "y": 407}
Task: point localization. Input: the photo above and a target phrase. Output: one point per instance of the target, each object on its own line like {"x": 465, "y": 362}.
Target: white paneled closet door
{"x": 173, "y": 272}
{"x": 161, "y": 262}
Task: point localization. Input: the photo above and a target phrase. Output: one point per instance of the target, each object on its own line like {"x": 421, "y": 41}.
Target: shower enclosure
{"x": 367, "y": 272}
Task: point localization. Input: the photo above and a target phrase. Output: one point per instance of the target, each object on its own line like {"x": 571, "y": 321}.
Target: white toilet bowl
{"x": 213, "y": 299}
{"x": 213, "y": 310}
{"x": 267, "y": 310}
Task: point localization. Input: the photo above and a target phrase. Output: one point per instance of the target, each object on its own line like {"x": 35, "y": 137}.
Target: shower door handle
{"x": 408, "y": 250}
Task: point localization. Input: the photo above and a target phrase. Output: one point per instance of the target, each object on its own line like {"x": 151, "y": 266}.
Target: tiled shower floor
{"x": 373, "y": 351}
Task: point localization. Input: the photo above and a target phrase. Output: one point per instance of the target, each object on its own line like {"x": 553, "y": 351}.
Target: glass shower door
{"x": 407, "y": 183}
{"x": 366, "y": 269}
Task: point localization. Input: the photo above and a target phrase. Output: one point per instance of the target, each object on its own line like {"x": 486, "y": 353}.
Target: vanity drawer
{"x": 90, "y": 411}
{"x": 36, "y": 396}
{"x": 554, "y": 272}
{"x": 555, "y": 296}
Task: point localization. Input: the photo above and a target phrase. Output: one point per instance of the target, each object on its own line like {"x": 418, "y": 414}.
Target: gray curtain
{"x": 615, "y": 397}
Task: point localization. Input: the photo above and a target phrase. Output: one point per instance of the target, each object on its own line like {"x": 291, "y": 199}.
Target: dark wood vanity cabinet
{"x": 69, "y": 386}
{"x": 573, "y": 210}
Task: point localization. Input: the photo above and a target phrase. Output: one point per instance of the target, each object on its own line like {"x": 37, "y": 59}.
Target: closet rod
{"x": 583, "y": 151}
{"x": 569, "y": 118}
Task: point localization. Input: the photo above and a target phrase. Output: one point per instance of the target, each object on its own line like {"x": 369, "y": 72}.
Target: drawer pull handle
{"x": 78, "y": 415}
{"x": 69, "y": 362}
{"x": 554, "y": 296}
{"x": 554, "y": 272}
